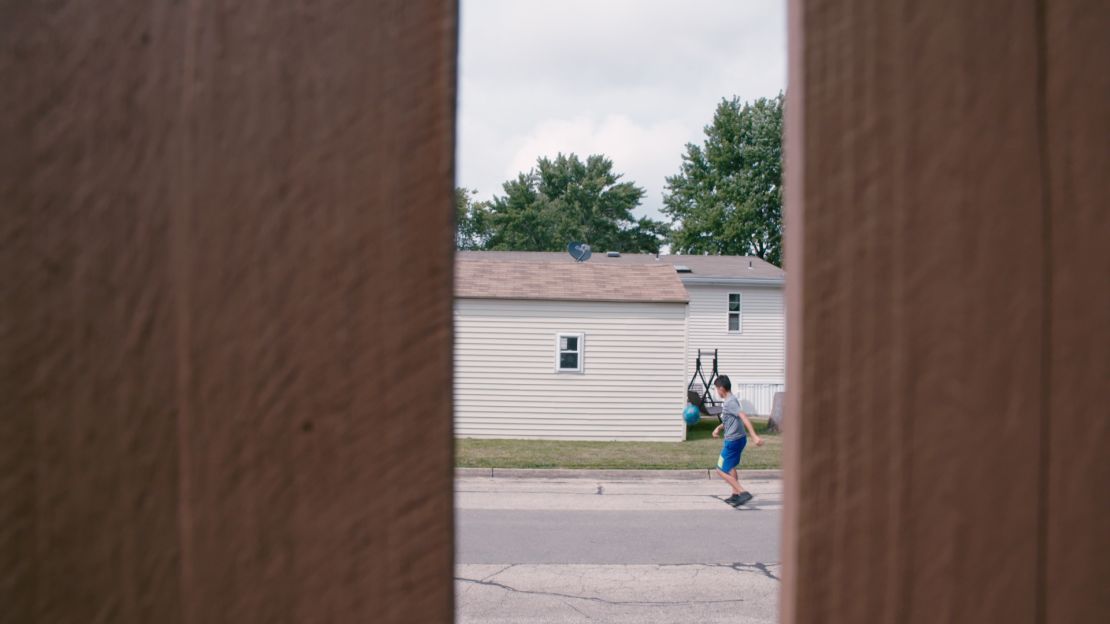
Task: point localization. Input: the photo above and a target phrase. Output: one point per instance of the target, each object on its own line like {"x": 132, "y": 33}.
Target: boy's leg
{"x": 730, "y": 480}
{"x": 736, "y": 477}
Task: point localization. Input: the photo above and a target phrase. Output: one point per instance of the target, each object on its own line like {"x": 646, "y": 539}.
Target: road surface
{"x": 587, "y": 550}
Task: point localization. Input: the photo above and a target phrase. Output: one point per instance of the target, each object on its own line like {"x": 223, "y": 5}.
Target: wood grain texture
{"x": 920, "y": 309}
{"x": 948, "y": 348}
{"x": 227, "y": 231}
{"x": 1077, "y": 93}
{"x": 89, "y": 447}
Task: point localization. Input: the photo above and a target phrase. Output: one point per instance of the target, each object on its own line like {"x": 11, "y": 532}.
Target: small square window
{"x": 568, "y": 353}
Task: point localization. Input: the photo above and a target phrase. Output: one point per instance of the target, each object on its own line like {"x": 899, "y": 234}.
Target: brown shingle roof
{"x": 566, "y": 281}
{"x": 700, "y": 266}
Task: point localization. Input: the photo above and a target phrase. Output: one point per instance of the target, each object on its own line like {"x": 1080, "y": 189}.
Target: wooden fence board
{"x": 87, "y": 396}
{"x": 229, "y": 228}
{"x": 1077, "y": 427}
{"x": 921, "y": 310}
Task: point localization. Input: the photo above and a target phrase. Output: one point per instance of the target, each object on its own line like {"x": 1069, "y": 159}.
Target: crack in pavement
{"x": 511, "y": 565}
{"x": 762, "y": 568}
{"x": 593, "y": 598}
{"x": 583, "y": 613}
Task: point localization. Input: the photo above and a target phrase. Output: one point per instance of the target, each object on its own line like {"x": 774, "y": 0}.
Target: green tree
{"x": 727, "y": 196}
{"x": 472, "y": 221}
{"x": 565, "y": 199}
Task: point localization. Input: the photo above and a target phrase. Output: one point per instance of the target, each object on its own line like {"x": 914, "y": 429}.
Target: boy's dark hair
{"x": 723, "y": 382}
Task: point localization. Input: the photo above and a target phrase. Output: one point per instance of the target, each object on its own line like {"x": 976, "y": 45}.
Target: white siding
{"x": 757, "y": 399}
{"x": 756, "y": 355}
{"x": 631, "y": 387}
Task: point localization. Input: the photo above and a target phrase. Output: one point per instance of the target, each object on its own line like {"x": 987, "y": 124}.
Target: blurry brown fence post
{"x": 949, "y": 311}
{"x": 225, "y": 311}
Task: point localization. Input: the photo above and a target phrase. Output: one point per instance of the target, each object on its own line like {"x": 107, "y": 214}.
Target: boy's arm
{"x": 751, "y": 430}
{"x": 717, "y": 431}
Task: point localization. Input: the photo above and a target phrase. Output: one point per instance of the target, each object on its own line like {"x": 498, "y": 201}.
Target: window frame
{"x": 739, "y": 313}
{"x": 580, "y": 351}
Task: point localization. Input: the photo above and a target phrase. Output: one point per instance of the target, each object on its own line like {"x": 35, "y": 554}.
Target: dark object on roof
{"x": 579, "y": 251}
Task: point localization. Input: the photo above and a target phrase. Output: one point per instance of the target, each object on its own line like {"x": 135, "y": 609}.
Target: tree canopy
{"x": 561, "y": 200}
{"x": 472, "y": 221}
{"x": 727, "y": 196}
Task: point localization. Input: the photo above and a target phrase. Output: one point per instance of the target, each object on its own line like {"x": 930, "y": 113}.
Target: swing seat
{"x": 694, "y": 397}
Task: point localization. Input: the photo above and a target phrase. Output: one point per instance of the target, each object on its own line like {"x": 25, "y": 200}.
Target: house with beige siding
{"x": 546, "y": 347}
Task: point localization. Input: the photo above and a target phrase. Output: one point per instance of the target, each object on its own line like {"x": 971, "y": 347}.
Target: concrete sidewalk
{"x": 616, "y": 475}
{"x": 590, "y": 493}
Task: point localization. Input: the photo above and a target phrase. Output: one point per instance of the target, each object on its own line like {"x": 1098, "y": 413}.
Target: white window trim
{"x": 581, "y": 351}
{"x": 739, "y": 313}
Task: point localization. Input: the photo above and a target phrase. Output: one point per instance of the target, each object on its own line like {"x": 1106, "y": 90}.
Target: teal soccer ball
{"x": 691, "y": 414}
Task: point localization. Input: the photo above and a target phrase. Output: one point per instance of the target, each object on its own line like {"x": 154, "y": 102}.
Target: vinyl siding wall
{"x": 631, "y": 388}
{"x": 756, "y": 355}
{"x": 757, "y": 399}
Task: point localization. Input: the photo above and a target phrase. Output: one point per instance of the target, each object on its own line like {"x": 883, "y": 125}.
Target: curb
{"x": 613, "y": 475}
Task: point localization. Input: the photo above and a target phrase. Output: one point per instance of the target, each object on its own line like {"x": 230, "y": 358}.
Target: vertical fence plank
{"x": 226, "y": 362}
{"x": 87, "y": 400}
{"x": 919, "y": 255}
{"x": 1077, "y": 544}
{"x": 319, "y": 311}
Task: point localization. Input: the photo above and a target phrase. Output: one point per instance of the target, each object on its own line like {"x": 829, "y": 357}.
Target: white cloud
{"x": 632, "y": 79}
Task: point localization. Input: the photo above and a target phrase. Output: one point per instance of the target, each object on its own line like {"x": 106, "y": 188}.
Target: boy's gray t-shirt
{"x": 730, "y": 416}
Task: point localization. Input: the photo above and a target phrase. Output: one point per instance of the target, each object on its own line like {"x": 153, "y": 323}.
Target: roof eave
{"x": 732, "y": 281}
{"x": 571, "y": 300}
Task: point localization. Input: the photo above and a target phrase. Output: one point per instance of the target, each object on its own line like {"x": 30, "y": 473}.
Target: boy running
{"x": 734, "y": 422}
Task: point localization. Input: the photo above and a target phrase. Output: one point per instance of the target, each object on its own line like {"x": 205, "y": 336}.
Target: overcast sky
{"x": 633, "y": 79}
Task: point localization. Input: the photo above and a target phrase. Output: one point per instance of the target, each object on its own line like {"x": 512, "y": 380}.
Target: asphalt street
{"x": 610, "y": 550}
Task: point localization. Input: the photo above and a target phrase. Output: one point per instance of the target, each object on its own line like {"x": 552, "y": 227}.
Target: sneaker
{"x": 731, "y": 500}
{"x": 742, "y": 499}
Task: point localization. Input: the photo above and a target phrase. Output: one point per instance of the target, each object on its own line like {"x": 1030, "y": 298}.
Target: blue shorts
{"x": 730, "y": 454}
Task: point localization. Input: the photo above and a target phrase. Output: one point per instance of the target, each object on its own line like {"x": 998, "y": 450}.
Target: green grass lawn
{"x": 700, "y": 450}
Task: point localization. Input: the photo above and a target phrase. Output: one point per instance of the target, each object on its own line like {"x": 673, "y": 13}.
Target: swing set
{"x": 699, "y": 394}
